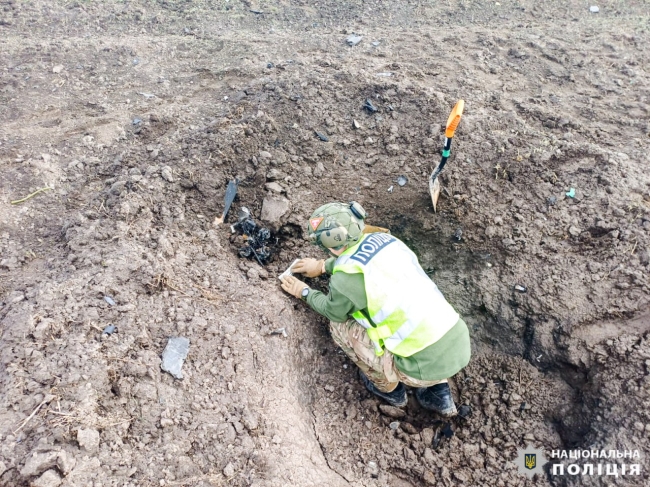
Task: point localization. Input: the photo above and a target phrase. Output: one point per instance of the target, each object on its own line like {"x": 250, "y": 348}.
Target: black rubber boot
{"x": 438, "y": 399}
{"x": 397, "y": 397}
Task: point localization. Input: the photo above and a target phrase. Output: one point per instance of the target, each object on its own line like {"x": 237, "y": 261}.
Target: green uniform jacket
{"x": 438, "y": 361}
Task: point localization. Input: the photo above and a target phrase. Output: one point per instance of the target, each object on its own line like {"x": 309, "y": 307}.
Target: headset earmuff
{"x": 358, "y": 210}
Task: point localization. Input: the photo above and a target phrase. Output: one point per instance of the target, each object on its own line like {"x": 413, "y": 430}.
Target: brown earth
{"x": 137, "y": 114}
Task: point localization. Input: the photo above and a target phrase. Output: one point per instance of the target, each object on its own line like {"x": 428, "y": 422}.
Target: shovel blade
{"x": 434, "y": 191}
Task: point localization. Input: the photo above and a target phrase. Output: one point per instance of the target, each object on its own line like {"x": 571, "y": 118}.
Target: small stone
{"x": 249, "y": 420}
{"x": 225, "y": 353}
{"x": 239, "y": 428}
{"x": 48, "y": 479}
{"x": 166, "y": 174}
{"x": 253, "y": 274}
{"x": 276, "y": 439}
{"x": 356, "y": 124}
{"x": 514, "y": 399}
{"x": 428, "y": 455}
{"x": 574, "y": 231}
{"x": 166, "y": 422}
{"x": 351, "y": 412}
{"x": 373, "y": 469}
{"x": 490, "y": 231}
{"x": 39, "y": 463}
{"x": 273, "y": 209}
{"x": 428, "y": 475}
{"x": 391, "y": 411}
{"x": 265, "y": 154}
{"x": 273, "y": 175}
{"x": 229, "y": 470}
{"x": 409, "y": 428}
{"x": 274, "y": 187}
{"x": 427, "y": 436}
{"x": 394, "y": 425}
{"x": 88, "y": 440}
{"x": 639, "y": 426}
{"x": 66, "y": 462}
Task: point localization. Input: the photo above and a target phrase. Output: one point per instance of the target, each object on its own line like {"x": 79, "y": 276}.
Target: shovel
{"x": 231, "y": 192}
{"x": 452, "y": 123}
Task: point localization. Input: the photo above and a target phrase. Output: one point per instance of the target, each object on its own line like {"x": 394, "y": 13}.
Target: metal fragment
{"x": 280, "y": 331}
{"x": 369, "y": 106}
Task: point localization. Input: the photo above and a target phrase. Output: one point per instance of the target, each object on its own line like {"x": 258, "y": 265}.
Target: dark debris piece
{"x": 322, "y": 136}
{"x": 458, "y": 234}
{"x": 257, "y": 238}
{"x": 447, "y": 431}
{"x": 229, "y": 197}
{"x": 464, "y": 411}
{"x": 369, "y": 106}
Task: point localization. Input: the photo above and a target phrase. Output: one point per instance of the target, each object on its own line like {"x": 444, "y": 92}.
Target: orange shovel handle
{"x": 454, "y": 119}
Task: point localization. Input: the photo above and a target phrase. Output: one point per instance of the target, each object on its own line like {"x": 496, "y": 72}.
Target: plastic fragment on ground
{"x": 353, "y": 40}
{"x": 109, "y": 300}
{"x": 109, "y": 330}
{"x": 571, "y": 193}
{"x": 174, "y": 355}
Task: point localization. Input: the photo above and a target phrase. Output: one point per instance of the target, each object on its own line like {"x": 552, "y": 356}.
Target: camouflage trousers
{"x": 381, "y": 370}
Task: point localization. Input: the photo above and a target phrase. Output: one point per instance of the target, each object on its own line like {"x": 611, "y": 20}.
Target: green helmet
{"x": 336, "y": 224}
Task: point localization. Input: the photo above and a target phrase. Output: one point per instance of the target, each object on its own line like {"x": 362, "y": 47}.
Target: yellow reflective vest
{"x": 406, "y": 311}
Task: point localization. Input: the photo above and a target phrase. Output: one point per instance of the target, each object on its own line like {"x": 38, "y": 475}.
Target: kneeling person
{"x": 385, "y": 312}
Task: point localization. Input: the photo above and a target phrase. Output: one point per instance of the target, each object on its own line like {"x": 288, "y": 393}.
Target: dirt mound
{"x": 138, "y": 116}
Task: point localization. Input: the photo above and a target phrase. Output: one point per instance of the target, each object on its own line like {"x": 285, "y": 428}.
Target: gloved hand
{"x": 309, "y": 267}
{"x": 293, "y": 286}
